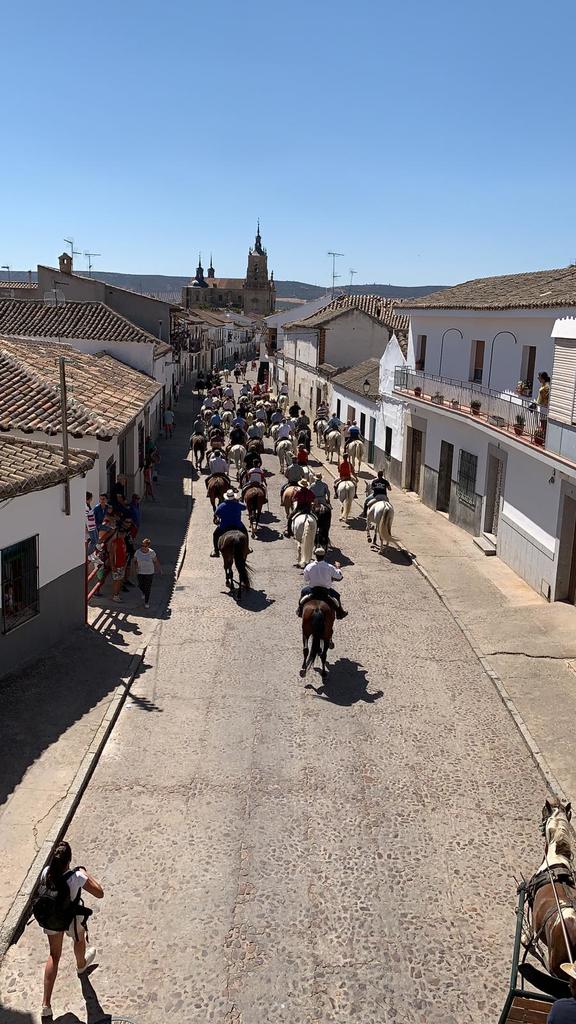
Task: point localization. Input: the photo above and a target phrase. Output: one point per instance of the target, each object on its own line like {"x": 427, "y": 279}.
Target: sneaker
{"x": 90, "y": 957}
{"x": 214, "y": 554}
{"x": 46, "y": 1013}
{"x": 117, "y": 599}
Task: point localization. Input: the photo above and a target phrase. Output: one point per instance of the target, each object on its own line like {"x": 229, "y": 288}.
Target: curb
{"x": 15, "y": 920}
{"x": 497, "y": 681}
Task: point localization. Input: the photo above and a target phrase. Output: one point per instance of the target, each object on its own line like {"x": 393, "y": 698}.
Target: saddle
{"x": 319, "y": 594}
{"x": 261, "y": 488}
{"x": 215, "y": 476}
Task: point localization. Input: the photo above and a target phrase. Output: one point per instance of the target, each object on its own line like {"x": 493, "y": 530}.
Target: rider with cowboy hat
{"x": 228, "y": 515}
{"x": 319, "y": 576}
{"x": 320, "y": 490}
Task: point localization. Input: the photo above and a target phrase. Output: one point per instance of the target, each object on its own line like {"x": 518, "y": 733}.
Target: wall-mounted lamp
{"x": 552, "y": 479}
{"x": 366, "y": 387}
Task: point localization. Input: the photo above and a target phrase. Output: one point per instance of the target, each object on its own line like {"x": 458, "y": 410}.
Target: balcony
{"x": 510, "y": 413}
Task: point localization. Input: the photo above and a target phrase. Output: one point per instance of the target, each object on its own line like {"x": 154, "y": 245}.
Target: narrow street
{"x": 276, "y": 851}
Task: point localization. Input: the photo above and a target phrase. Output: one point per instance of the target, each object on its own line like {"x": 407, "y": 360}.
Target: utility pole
{"x": 334, "y": 255}
{"x": 64, "y": 428}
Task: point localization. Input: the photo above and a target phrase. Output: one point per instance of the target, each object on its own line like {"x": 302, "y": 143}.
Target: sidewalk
{"x": 527, "y": 642}
{"x": 57, "y": 712}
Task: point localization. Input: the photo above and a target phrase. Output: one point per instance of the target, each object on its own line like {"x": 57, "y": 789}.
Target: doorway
{"x": 445, "y": 477}
{"x": 566, "y": 575}
{"x": 415, "y": 460}
{"x": 494, "y": 489}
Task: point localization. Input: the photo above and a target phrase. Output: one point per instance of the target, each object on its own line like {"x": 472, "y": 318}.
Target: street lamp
{"x": 447, "y": 331}
{"x": 366, "y": 387}
{"x": 492, "y": 350}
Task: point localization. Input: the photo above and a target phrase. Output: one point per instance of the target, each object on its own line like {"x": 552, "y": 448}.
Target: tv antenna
{"x": 334, "y": 256}
{"x": 73, "y": 252}
{"x": 352, "y": 272}
{"x": 89, "y": 256}
{"x": 5, "y": 266}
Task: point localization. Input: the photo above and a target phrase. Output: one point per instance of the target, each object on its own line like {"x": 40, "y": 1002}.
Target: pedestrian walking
{"x": 148, "y": 485}
{"x": 168, "y": 423}
{"x": 118, "y": 556}
{"x": 58, "y": 909}
{"x": 147, "y": 564}
{"x": 91, "y": 528}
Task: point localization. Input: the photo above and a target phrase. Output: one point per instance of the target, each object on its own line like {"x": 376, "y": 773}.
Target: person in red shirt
{"x": 345, "y": 472}
{"x": 303, "y": 501}
{"x": 118, "y": 555}
{"x": 302, "y": 455}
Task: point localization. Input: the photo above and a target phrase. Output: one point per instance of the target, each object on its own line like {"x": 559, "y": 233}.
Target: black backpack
{"x": 53, "y": 906}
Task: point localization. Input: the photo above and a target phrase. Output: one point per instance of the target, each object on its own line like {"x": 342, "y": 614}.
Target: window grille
{"x": 466, "y": 489}
{"x": 20, "y": 597}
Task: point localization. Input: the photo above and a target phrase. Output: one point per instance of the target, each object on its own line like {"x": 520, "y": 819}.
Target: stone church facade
{"x": 254, "y": 294}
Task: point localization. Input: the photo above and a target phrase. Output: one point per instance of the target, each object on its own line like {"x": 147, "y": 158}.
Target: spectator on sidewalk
{"x": 126, "y": 529}
{"x": 148, "y": 484}
{"x": 134, "y": 512}
{"x": 100, "y": 510}
{"x": 146, "y": 564}
{"x": 118, "y": 556}
{"x": 91, "y": 528}
{"x": 118, "y": 490}
{"x": 57, "y": 876}
{"x": 168, "y": 423}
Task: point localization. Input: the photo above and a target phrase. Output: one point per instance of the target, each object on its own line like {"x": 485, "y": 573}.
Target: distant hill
{"x": 170, "y": 287}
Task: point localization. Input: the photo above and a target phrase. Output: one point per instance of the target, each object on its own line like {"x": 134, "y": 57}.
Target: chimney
{"x": 29, "y": 278}
{"x": 65, "y": 263}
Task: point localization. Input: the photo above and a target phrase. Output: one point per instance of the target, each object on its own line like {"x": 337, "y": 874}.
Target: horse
{"x": 285, "y": 450}
{"x": 320, "y": 427}
{"x": 288, "y": 498}
{"x": 255, "y": 444}
{"x": 227, "y": 417}
{"x": 345, "y": 492}
{"x": 304, "y": 526}
{"x": 255, "y": 498}
{"x": 323, "y": 514}
{"x": 198, "y": 444}
{"x": 380, "y": 517}
{"x": 216, "y": 488}
{"x": 333, "y": 443}
{"x": 356, "y": 453}
{"x": 282, "y": 401}
{"x": 544, "y": 919}
{"x": 237, "y": 454}
{"x": 318, "y": 623}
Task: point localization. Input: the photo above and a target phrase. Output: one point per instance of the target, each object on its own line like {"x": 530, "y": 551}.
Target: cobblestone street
{"x": 273, "y": 851}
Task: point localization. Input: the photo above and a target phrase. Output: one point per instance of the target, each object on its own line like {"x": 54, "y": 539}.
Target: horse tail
{"x": 387, "y": 520}
{"x": 308, "y": 536}
{"x": 244, "y": 570}
{"x": 316, "y": 634}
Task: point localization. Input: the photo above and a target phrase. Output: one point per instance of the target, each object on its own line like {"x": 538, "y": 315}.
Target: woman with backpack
{"x": 58, "y": 908}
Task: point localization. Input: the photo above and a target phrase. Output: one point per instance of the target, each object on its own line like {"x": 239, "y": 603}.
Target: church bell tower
{"x": 259, "y": 289}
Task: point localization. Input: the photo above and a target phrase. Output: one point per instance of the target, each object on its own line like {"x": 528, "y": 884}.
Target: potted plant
{"x": 437, "y": 398}
{"x": 538, "y": 437}
{"x": 475, "y": 407}
{"x": 417, "y": 392}
{"x": 454, "y": 403}
{"x": 524, "y": 387}
{"x": 519, "y": 425}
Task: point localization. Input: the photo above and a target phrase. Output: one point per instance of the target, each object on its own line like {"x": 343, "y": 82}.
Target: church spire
{"x": 211, "y": 271}
{"x": 258, "y": 244}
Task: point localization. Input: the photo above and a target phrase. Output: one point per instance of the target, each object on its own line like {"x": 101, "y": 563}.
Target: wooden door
{"x": 415, "y": 460}
{"x": 445, "y": 477}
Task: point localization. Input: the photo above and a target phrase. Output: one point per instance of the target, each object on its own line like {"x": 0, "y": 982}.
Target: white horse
{"x": 304, "y": 530}
{"x": 285, "y": 450}
{"x": 320, "y": 427}
{"x": 333, "y": 444}
{"x": 274, "y": 431}
{"x": 237, "y": 454}
{"x": 380, "y": 517}
{"x": 345, "y": 492}
{"x": 356, "y": 453}
{"x": 282, "y": 401}
{"x": 227, "y": 420}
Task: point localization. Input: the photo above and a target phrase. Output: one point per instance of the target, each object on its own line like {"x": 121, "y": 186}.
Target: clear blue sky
{"x": 429, "y": 142}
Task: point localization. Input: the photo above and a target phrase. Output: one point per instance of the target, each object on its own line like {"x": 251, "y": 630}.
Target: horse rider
{"x": 199, "y": 426}
{"x": 283, "y": 392}
{"x": 228, "y": 391}
{"x": 245, "y": 390}
{"x": 302, "y": 422}
{"x": 239, "y": 421}
{"x": 320, "y": 490}
{"x": 319, "y": 576}
{"x": 218, "y": 466}
{"x": 293, "y": 474}
{"x": 304, "y": 437}
{"x": 254, "y": 475}
{"x": 352, "y": 434}
{"x": 294, "y": 410}
{"x": 228, "y": 515}
{"x": 322, "y": 411}
{"x": 208, "y": 402}
{"x": 261, "y": 414}
{"x": 284, "y": 432}
{"x": 215, "y": 421}
{"x": 255, "y": 431}
{"x": 379, "y": 488}
{"x": 237, "y": 435}
{"x": 345, "y": 472}
{"x": 276, "y": 417}
{"x": 228, "y": 405}
{"x": 334, "y": 423}
{"x": 303, "y": 502}
{"x": 252, "y": 459}
{"x": 302, "y": 455}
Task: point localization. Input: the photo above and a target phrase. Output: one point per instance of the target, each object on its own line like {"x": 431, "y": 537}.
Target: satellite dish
{"x": 55, "y": 297}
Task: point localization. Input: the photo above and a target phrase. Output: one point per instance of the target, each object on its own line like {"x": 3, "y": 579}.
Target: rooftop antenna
{"x": 334, "y": 255}
{"x": 89, "y": 256}
{"x": 352, "y": 272}
{"x": 5, "y": 266}
{"x": 73, "y": 252}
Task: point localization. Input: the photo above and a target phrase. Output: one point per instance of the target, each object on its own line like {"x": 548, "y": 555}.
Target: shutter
{"x": 563, "y": 381}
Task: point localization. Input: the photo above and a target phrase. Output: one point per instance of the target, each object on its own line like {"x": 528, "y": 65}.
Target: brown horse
{"x": 288, "y": 498}
{"x": 216, "y": 487}
{"x": 233, "y": 546}
{"x": 256, "y": 444}
{"x": 198, "y": 445}
{"x": 255, "y": 498}
{"x": 549, "y": 928}
{"x": 317, "y": 622}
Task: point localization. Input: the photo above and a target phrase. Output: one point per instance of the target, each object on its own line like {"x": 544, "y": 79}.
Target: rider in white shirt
{"x": 256, "y": 475}
{"x": 319, "y": 575}
{"x": 284, "y": 430}
{"x": 277, "y": 416}
{"x": 229, "y": 405}
{"x": 255, "y": 430}
{"x": 218, "y": 464}
{"x": 228, "y": 391}
{"x": 208, "y": 402}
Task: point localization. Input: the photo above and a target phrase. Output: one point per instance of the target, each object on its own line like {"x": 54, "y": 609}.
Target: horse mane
{"x": 562, "y": 841}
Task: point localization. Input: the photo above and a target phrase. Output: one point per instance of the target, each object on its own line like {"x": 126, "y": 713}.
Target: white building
{"x": 111, "y": 408}
{"x": 349, "y": 330}
{"x": 42, "y": 549}
{"x": 476, "y": 447}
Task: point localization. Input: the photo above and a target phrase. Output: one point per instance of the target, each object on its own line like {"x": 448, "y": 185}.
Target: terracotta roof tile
{"x": 539, "y": 289}
{"x": 93, "y": 321}
{"x": 353, "y": 378}
{"x": 104, "y": 395}
{"x": 32, "y": 465}
{"x": 376, "y": 306}
{"x": 18, "y": 284}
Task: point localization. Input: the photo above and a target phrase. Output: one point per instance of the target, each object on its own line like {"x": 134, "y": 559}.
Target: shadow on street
{"x": 346, "y": 685}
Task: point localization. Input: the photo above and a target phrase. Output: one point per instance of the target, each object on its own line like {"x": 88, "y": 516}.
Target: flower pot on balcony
{"x": 519, "y": 430}
{"x": 438, "y": 399}
{"x": 475, "y": 408}
{"x": 538, "y": 438}
{"x": 454, "y": 403}
{"x": 417, "y": 392}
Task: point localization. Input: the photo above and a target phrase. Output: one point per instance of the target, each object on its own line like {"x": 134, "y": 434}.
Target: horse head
{"x": 556, "y": 814}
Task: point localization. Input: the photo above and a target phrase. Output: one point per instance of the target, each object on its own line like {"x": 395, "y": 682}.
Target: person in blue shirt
{"x": 100, "y": 510}
{"x": 352, "y": 434}
{"x": 215, "y": 420}
{"x": 228, "y": 515}
{"x": 334, "y": 423}
{"x": 564, "y": 1010}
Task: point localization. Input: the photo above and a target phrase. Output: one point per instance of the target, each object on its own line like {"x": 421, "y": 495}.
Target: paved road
{"x": 272, "y": 853}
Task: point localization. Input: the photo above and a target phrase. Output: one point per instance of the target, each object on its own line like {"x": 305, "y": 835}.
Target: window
{"x": 140, "y": 445}
{"x": 388, "y": 441}
{"x": 351, "y": 414}
{"x": 467, "y": 467}
{"x": 477, "y": 366}
{"x": 421, "y": 351}
{"x": 363, "y": 423}
{"x": 122, "y": 454}
{"x": 528, "y": 365}
{"x": 338, "y": 407}
{"x": 20, "y": 597}
{"x": 322, "y": 346}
